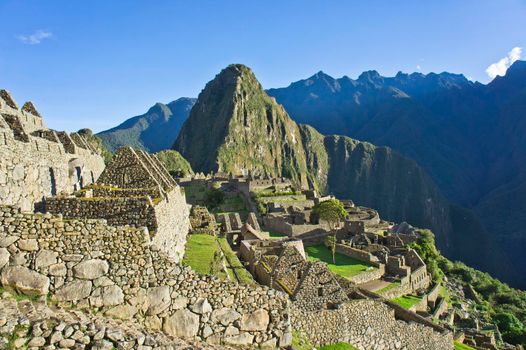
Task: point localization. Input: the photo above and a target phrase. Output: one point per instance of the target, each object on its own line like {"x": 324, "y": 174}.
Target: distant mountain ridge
{"x": 153, "y": 131}
{"x": 470, "y": 137}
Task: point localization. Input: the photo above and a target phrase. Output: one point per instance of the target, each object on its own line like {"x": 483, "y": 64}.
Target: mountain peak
{"x": 235, "y": 127}
{"x": 370, "y": 76}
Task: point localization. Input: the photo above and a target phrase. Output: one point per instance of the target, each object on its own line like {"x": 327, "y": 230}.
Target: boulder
{"x": 74, "y": 291}
{"x": 58, "y": 270}
{"x": 269, "y": 344}
{"x": 255, "y": 321}
{"x": 45, "y": 258}
{"x": 4, "y": 257}
{"x": 158, "y": 300}
{"x": 25, "y": 281}
{"x": 242, "y": 339}
{"x": 183, "y": 323}
{"x": 29, "y": 245}
{"x": 201, "y": 306}
{"x": 230, "y": 331}
{"x": 91, "y": 269}
{"x": 7, "y": 241}
{"x": 112, "y": 295}
{"x": 285, "y": 339}
{"x": 153, "y": 323}
{"x": 122, "y": 312}
{"x": 225, "y": 316}
{"x": 179, "y": 303}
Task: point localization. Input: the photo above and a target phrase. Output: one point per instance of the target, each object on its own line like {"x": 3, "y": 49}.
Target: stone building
{"x": 283, "y": 266}
{"x": 36, "y": 162}
{"x": 135, "y": 189}
{"x": 201, "y": 221}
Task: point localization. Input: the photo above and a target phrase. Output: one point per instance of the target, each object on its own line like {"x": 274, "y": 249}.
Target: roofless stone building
{"x": 135, "y": 189}
{"x": 36, "y": 161}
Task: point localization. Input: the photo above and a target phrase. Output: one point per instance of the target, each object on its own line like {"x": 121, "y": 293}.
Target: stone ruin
{"x": 330, "y": 309}
{"x": 201, "y": 221}
{"x": 117, "y": 271}
{"x": 135, "y": 189}
{"x": 111, "y": 241}
{"x": 36, "y": 162}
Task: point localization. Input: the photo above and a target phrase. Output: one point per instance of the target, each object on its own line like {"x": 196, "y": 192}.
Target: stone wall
{"x": 137, "y": 212}
{"x": 370, "y": 275}
{"x": 357, "y": 254}
{"x": 167, "y": 219}
{"x": 36, "y": 167}
{"x": 368, "y": 325}
{"x": 107, "y": 191}
{"x": 118, "y": 272}
{"x": 279, "y": 224}
{"x": 173, "y": 224}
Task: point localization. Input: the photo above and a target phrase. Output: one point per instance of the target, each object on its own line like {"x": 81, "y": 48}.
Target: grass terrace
{"x": 407, "y": 301}
{"x": 203, "y": 254}
{"x": 200, "y": 252}
{"x": 276, "y": 235}
{"x": 235, "y": 268}
{"x": 345, "y": 266}
{"x": 460, "y": 346}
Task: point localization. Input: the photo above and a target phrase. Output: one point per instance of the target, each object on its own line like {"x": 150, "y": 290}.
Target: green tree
{"x": 331, "y": 211}
{"x": 330, "y": 241}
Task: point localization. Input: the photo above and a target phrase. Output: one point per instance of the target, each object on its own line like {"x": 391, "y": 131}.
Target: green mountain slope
{"x": 376, "y": 177}
{"x": 153, "y": 131}
{"x": 175, "y": 163}
{"x": 235, "y": 127}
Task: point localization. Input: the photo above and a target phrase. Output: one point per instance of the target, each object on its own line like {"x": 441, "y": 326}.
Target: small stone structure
{"x": 36, "y": 162}
{"x": 201, "y": 221}
{"x": 135, "y": 190}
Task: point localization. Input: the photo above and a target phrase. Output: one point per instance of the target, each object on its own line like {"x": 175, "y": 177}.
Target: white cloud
{"x": 35, "y": 38}
{"x": 418, "y": 67}
{"x": 500, "y": 67}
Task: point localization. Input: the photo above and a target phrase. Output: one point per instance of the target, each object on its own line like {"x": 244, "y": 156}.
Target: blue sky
{"x": 96, "y": 63}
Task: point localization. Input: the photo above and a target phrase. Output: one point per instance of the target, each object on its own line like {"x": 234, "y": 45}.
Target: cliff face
{"x": 235, "y": 127}
{"x": 376, "y": 177}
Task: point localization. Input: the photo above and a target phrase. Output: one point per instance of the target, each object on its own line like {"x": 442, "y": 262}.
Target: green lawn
{"x": 460, "y": 346}
{"x": 337, "y": 346}
{"x": 275, "y": 235}
{"x": 407, "y": 301}
{"x": 345, "y": 266}
{"x": 199, "y": 252}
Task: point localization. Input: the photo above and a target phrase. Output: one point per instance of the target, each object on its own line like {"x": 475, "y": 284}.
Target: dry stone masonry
{"x": 136, "y": 190}
{"x": 120, "y": 273}
{"x": 35, "y": 162}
